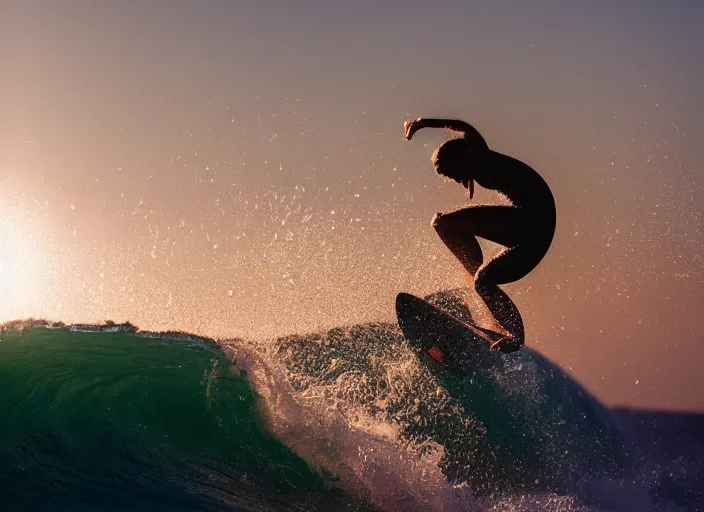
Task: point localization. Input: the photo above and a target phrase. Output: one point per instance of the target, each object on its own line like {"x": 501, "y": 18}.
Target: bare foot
{"x": 507, "y": 344}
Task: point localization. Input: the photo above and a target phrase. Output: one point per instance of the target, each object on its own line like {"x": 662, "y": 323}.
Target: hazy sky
{"x": 238, "y": 168}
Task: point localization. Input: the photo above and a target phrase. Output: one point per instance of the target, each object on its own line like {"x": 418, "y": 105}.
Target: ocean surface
{"x": 347, "y": 419}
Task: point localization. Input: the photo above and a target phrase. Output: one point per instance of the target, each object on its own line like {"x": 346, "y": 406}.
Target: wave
{"x": 114, "y": 421}
{"x": 113, "y": 418}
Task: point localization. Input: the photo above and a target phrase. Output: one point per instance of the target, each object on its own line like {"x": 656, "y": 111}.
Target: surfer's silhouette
{"x": 525, "y": 228}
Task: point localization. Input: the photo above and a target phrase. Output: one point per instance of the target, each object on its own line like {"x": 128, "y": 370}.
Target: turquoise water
{"x": 112, "y": 421}
{"x": 346, "y": 419}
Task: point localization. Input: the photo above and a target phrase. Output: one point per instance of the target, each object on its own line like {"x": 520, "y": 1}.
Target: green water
{"x": 112, "y": 421}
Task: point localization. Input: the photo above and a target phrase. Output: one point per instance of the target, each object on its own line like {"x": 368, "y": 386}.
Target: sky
{"x": 238, "y": 169}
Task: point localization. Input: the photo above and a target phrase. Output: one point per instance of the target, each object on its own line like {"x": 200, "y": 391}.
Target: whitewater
{"x": 113, "y": 418}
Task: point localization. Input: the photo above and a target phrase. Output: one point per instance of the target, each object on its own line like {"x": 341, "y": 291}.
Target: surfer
{"x": 525, "y": 228}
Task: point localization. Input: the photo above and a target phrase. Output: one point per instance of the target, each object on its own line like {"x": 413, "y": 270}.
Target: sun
{"x": 7, "y": 286}
{"x": 5, "y": 269}
{"x": 21, "y": 272}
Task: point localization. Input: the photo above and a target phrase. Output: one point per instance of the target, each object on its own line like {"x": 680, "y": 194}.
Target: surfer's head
{"x": 454, "y": 159}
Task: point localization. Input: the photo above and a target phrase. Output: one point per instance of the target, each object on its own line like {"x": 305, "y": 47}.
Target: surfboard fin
{"x": 436, "y": 354}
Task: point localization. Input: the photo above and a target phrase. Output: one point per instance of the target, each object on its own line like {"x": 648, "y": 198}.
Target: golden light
{"x": 21, "y": 270}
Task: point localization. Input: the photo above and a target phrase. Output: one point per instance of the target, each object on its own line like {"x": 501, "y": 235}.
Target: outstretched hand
{"x": 412, "y": 127}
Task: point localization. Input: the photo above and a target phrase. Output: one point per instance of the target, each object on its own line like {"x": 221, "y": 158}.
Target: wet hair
{"x": 453, "y": 153}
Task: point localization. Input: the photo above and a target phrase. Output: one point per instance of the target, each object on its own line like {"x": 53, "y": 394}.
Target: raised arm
{"x": 469, "y": 132}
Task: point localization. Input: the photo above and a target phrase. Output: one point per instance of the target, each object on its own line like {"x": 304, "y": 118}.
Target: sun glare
{"x": 21, "y": 272}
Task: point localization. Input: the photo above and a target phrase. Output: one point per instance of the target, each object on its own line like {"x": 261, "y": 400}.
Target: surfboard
{"x": 442, "y": 339}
